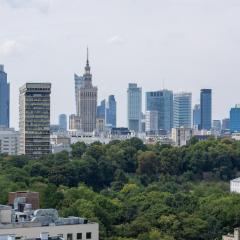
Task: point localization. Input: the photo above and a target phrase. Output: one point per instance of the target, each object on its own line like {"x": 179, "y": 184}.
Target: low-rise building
{"x": 234, "y": 236}
{"x": 60, "y": 142}
{"x": 9, "y": 141}
{"x": 181, "y": 136}
{"x": 235, "y": 185}
{"x": 29, "y": 224}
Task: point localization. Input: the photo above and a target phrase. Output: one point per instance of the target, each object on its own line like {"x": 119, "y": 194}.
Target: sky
{"x": 181, "y": 45}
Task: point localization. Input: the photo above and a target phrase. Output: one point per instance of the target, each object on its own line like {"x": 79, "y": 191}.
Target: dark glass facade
{"x": 206, "y": 109}
{"x": 4, "y": 98}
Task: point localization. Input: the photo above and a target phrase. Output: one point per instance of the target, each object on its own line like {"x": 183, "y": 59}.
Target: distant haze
{"x": 179, "y": 44}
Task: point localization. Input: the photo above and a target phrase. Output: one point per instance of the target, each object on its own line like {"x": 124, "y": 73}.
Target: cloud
{"x": 8, "y": 47}
{"x": 40, "y": 5}
{"x": 116, "y": 40}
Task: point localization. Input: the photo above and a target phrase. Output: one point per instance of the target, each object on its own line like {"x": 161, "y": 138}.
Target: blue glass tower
{"x": 4, "y": 98}
{"x": 206, "y": 109}
{"x": 182, "y": 110}
{"x": 111, "y": 111}
{"x": 62, "y": 122}
{"x": 162, "y": 102}
{"x": 197, "y": 115}
{"x": 101, "y": 110}
{"x": 235, "y": 119}
{"x": 134, "y": 107}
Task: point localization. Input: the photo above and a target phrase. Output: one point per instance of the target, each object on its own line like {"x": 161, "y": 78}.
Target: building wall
{"x": 206, "y": 109}
{"x": 197, "y": 115}
{"x": 134, "y": 107}
{"x": 111, "y": 111}
{"x": 34, "y": 119}
{"x": 4, "y": 98}
{"x": 162, "y": 102}
{"x": 31, "y": 198}
{"x": 63, "y": 230}
{"x": 9, "y": 141}
{"x": 182, "y": 110}
{"x": 235, "y": 119}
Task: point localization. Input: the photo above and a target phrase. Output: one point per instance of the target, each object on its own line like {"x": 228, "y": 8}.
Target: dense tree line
{"x": 136, "y": 191}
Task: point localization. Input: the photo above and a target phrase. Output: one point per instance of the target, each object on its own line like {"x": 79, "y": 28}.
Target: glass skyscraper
{"x": 101, "y": 110}
{"x": 197, "y": 115}
{"x": 162, "y": 102}
{"x": 111, "y": 111}
{"x": 235, "y": 119}
{"x": 206, "y": 109}
{"x": 4, "y": 98}
{"x": 62, "y": 122}
{"x": 134, "y": 107}
{"x": 182, "y": 110}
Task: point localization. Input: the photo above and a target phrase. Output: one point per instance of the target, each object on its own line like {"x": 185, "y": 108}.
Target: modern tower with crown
{"x": 87, "y": 101}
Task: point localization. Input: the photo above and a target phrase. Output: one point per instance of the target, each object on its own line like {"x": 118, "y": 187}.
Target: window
{"x": 79, "y": 235}
{"x": 69, "y": 236}
{"x": 88, "y": 235}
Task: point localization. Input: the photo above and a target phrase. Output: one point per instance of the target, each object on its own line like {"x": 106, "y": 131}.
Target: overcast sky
{"x": 179, "y": 44}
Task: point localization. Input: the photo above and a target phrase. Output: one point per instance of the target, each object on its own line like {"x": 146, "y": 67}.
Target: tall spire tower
{"x": 87, "y": 99}
{"x": 87, "y": 75}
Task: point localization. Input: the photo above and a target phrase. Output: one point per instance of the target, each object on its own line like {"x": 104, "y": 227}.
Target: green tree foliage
{"x": 136, "y": 191}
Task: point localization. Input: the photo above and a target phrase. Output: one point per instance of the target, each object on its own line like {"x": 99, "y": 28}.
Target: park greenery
{"x": 136, "y": 191}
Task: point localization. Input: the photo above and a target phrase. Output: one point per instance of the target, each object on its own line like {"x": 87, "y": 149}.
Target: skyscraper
{"x": 87, "y": 102}
{"x": 34, "y": 119}
{"x": 162, "y": 102}
{"x": 62, "y": 122}
{"x": 111, "y": 111}
{"x": 182, "y": 110}
{"x": 235, "y": 119}
{"x": 151, "y": 121}
{"x": 4, "y": 98}
{"x": 196, "y": 115}
{"x": 226, "y": 124}
{"x": 78, "y": 84}
{"x": 134, "y": 107}
{"x": 206, "y": 109}
{"x": 101, "y": 110}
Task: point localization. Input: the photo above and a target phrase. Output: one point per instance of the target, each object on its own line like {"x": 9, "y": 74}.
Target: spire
{"x": 87, "y": 68}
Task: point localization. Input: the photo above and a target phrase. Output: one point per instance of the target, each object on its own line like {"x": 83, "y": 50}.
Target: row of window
{"x": 79, "y": 236}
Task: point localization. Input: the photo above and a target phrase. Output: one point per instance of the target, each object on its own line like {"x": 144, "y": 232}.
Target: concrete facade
{"x": 34, "y": 119}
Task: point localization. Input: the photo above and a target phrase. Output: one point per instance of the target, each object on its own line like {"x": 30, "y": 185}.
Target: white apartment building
{"x": 31, "y": 224}
{"x": 235, "y": 185}
{"x": 9, "y": 141}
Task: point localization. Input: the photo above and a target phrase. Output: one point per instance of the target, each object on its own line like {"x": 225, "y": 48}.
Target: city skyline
{"x": 177, "y": 53}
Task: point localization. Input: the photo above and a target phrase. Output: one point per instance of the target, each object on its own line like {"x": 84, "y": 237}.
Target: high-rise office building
{"x": 87, "y": 102}
{"x": 226, "y": 124}
{"x": 235, "y": 119}
{"x": 196, "y": 115}
{"x": 217, "y": 125}
{"x": 62, "y": 122}
{"x": 111, "y": 111}
{"x": 151, "y": 118}
{"x": 206, "y": 109}
{"x": 4, "y": 98}
{"x": 101, "y": 110}
{"x": 162, "y": 102}
{"x": 134, "y": 107}
{"x": 182, "y": 110}
{"x": 34, "y": 119}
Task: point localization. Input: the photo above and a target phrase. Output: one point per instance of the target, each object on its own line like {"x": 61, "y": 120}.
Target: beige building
{"x": 34, "y": 119}
{"x": 181, "y": 136}
{"x": 87, "y": 102}
{"x": 234, "y": 236}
